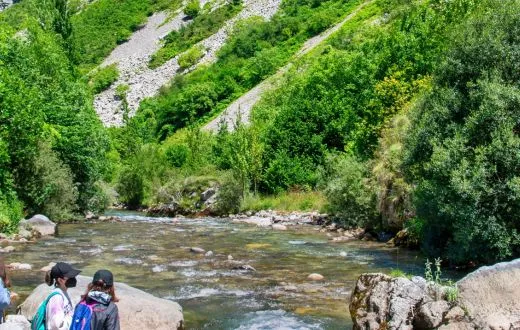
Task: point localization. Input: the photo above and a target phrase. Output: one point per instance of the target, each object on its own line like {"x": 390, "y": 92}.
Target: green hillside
{"x": 406, "y": 117}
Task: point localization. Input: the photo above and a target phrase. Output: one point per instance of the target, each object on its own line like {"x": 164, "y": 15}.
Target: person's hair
{"x": 3, "y": 273}
{"x": 101, "y": 286}
{"x": 48, "y": 278}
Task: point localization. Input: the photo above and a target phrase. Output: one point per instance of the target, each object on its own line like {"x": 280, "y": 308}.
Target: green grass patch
{"x": 287, "y": 201}
{"x": 399, "y": 273}
{"x": 203, "y": 26}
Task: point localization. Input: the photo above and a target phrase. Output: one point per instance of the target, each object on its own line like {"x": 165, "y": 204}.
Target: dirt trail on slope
{"x": 242, "y": 106}
{"x": 133, "y": 56}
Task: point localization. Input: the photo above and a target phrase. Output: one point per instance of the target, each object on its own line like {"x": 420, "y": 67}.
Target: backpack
{"x": 5, "y": 296}
{"x": 82, "y": 316}
{"x": 38, "y": 321}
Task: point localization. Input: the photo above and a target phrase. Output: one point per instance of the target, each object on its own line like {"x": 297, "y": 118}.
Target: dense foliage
{"x": 53, "y": 145}
{"x": 463, "y": 146}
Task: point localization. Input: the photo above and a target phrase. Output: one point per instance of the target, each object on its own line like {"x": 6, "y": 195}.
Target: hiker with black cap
{"x": 59, "y": 309}
{"x": 97, "y": 309}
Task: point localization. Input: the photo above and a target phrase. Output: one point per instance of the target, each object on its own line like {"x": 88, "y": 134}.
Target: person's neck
{"x": 62, "y": 288}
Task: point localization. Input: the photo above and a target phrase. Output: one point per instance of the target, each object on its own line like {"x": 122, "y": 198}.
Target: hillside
{"x": 386, "y": 114}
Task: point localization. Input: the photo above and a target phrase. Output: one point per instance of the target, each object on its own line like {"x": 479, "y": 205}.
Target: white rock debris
{"x": 133, "y": 56}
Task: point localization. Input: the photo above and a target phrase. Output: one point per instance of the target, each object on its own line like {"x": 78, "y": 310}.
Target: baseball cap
{"x": 62, "y": 269}
{"x": 105, "y": 276}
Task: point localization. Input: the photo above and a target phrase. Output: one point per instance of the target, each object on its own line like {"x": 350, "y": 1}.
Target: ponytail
{"x": 48, "y": 278}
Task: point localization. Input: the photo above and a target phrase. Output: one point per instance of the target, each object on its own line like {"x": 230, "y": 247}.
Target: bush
{"x": 190, "y": 57}
{"x": 131, "y": 187}
{"x": 177, "y": 154}
{"x": 11, "y": 212}
{"x": 52, "y": 190}
{"x": 349, "y": 193}
{"x": 461, "y": 151}
{"x": 230, "y": 195}
{"x": 192, "y": 9}
{"x": 102, "y": 78}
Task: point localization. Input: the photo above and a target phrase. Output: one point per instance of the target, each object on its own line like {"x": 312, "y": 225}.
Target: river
{"x": 153, "y": 254}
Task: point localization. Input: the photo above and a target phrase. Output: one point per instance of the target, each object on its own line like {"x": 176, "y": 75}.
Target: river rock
{"x": 15, "y": 322}
{"x": 48, "y": 267}
{"x": 248, "y": 268}
{"x": 315, "y": 277}
{"x": 8, "y": 249}
{"x": 255, "y": 220}
{"x": 279, "y": 227}
{"x": 40, "y": 224}
{"x": 379, "y": 300}
{"x": 209, "y": 254}
{"x": 455, "y": 314}
{"x": 137, "y": 309}
{"x": 207, "y": 194}
{"x": 490, "y": 295}
{"x": 430, "y": 315}
{"x": 197, "y": 250}
{"x": 19, "y": 266}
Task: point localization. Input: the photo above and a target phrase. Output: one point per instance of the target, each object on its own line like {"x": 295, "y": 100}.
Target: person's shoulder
{"x": 112, "y": 307}
{"x": 55, "y": 297}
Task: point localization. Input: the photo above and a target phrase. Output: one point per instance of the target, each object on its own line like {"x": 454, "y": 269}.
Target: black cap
{"x": 62, "y": 269}
{"x": 104, "y": 276}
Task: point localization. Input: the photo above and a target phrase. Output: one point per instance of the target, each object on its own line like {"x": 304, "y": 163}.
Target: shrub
{"x": 177, "y": 154}
{"x": 11, "y": 212}
{"x": 52, "y": 189}
{"x": 102, "y": 78}
{"x": 190, "y": 57}
{"x": 230, "y": 195}
{"x": 192, "y": 9}
{"x": 131, "y": 187}
{"x": 349, "y": 193}
{"x": 461, "y": 151}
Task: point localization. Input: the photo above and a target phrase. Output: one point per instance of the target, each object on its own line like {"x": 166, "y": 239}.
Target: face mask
{"x": 71, "y": 282}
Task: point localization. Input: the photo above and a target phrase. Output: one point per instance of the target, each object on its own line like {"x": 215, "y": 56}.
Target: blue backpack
{"x": 5, "y": 296}
{"x": 82, "y": 316}
{"x": 38, "y": 321}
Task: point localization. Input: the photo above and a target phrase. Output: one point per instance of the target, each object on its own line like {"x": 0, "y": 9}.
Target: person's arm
{"x": 112, "y": 322}
{"x": 56, "y": 318}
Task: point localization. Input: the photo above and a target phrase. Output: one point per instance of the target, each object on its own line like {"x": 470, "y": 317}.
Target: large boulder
{"x": 380, "y": 301}
{"x": 15, "y": 322}
{"x": 137, "y": 309}
{"x": 39, "y": 224}
{"x": 491, "y": 295}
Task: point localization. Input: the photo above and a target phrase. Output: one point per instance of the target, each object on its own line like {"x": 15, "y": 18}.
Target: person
{"x": 5, "y": 293}
{"x": 59, "y": 309}
{"x": 101, "y": 298}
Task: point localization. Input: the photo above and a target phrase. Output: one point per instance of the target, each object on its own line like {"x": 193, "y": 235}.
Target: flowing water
{"x": 153, "y": 254}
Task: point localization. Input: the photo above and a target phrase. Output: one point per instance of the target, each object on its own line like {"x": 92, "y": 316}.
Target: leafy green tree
{"x": 462, "y": 149}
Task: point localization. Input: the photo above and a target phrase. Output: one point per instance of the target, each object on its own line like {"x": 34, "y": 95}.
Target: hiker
{"x": 97, "y": 306}
{"x": 58, "y": 306}
{"x": 5, "y": 294}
